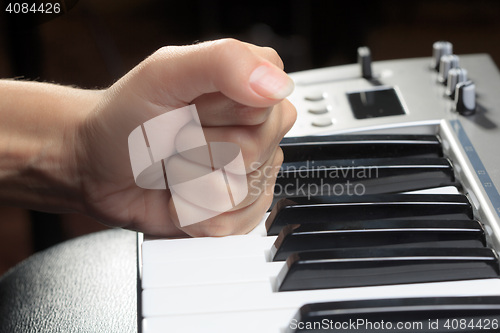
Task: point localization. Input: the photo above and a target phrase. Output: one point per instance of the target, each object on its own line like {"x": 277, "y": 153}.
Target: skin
{"x": 64, "y": 149}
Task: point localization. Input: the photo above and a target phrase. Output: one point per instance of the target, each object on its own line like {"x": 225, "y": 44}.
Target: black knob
{"x": 465, "y": 98}
{"x": 365, "y": 61}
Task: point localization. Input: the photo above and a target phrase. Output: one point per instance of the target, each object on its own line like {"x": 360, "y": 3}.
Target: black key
{"x": 359, "y": 146}
{"x": 426, "y": 314}
{"x": 375, "y": 267}
{"x": 368, "y": 207}
{"x": 361, "y": 176}
{"x": 380, "y": 234}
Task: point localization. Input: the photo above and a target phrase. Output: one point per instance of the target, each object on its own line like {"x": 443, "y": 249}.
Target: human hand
{"x": 239, "y": 91}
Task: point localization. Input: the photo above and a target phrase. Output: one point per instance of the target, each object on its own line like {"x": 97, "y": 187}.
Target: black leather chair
{"x": 88, "y": 284}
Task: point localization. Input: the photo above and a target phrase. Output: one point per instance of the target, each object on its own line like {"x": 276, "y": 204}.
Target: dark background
{"x": 94, "y": 42}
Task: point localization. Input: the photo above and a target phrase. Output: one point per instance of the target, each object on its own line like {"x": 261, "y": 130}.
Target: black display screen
{"x": 375, "y": 103}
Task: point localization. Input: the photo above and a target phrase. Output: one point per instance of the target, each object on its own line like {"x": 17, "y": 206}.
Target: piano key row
{"x": 331, "y": 269}
{"x": 439, "y": 314}
{"x": 361, "y": 165}
{"x": 444, "y": 313}
{"x": 346, "y": 241}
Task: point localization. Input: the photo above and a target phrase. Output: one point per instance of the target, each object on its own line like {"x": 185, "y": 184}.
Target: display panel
{"x": 375, "y": 103}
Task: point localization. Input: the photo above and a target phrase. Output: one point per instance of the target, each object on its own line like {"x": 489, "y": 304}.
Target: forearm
{"x": 37, "y": 126}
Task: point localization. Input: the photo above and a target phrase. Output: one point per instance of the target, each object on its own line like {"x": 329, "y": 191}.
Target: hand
{"x": 239, "y": 91}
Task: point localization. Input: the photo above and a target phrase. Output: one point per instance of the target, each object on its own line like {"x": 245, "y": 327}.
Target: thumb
{"x": 236, "y": 69}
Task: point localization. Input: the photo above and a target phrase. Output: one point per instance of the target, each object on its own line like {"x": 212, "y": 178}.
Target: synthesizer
{"x": 410, "y": 246}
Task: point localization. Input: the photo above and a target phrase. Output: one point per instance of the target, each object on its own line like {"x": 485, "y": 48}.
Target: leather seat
{"x": 88, "y": 284}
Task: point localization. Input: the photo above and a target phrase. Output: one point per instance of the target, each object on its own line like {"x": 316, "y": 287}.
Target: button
{"x": 315, "y": 96}
{"x": 322, "y": 122}
{"x": 319, "y": 108}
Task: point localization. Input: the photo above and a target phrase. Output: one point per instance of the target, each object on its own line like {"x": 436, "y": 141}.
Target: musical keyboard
{"x": 416, "y": 242}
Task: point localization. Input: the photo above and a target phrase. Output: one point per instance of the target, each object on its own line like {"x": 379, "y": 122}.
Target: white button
{"x": 314, "y": 96}
{"x": 322, "y": 122}
{"x": 319, "y": 108}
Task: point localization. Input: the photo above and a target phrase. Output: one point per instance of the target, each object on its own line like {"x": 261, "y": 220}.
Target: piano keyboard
{"x": 414, "y": 242}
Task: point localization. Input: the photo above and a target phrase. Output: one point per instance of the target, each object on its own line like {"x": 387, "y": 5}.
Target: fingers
{"x": 215, "y": 109}
{"x": 209, "y": 189}
{"x": 266, "y": 53}
{"x": 239, "y": 90}
{"x": 259, "y": 179}
{"x": 258, "y": 142}
{"x": 238, "y": 221}
{"x": 178, "y": 75}
{"x": 156, "y": 221}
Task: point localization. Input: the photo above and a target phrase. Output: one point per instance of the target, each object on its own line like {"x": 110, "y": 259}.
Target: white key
{"x": 260, "y": 296}
{"x": 242, "y": 322}
{"x": 209, "y": 248}
{"x": 200, "y": 272}
{"x": 436, "y": 190}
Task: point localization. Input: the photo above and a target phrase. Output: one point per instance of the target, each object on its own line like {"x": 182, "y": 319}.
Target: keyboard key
{"x": 373, "y": 267}
{"x": 379, "y": 234}
{"x": 368, "y": 207}
{"x": 426, "y": 314}
{"x": 328, "y": 147}
{"x": 361, "y": 176}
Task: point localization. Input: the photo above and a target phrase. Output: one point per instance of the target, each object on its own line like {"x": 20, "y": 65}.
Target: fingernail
{"x": 271, "y": 82}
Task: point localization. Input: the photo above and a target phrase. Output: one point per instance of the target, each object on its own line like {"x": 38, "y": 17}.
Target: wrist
{"x": 36, "y": 140}
{"x": 73, "y": 152}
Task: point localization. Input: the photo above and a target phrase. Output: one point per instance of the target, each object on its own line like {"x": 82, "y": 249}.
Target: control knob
{"x": 365, "y": 61}
{"x": 465, "y": 98}
{"x": 440, "y": 49}
{"x": 446, "y": 63}
{"x": 455, "y": 76}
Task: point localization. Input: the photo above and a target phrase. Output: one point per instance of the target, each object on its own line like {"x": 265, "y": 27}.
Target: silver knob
{"x": 455, "y": 75}
{"x": 446, "y": 63}
{"x": 440, "y": 49}
{"x": 465, "y": 98}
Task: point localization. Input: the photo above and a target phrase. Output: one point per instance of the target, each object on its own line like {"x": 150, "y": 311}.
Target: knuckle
{"x": 274, "y": 57}
{"x": 215, "y": 227}
{"x": 248, "y": 144}
{"x": 162, "y": 53}
{"x": 226, "y": 46}
{"x": 253, "y": 116}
